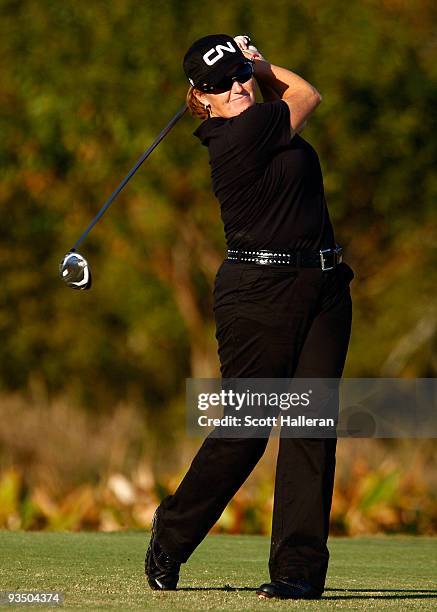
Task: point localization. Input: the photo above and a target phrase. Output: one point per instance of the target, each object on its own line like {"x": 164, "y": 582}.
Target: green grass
{"x": 105, "y": 570}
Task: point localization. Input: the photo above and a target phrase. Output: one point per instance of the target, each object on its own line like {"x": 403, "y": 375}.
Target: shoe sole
{"x": 264, "y": 595}
{"x": 156, "y": 586}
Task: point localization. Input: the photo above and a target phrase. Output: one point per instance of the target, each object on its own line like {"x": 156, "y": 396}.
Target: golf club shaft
{"x": 115, "y": 193}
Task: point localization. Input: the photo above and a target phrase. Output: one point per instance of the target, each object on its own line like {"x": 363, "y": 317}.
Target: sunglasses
{"x": 242, "y": 75}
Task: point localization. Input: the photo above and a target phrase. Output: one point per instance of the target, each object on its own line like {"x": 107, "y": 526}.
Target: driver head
{"x": 75, "y": 271}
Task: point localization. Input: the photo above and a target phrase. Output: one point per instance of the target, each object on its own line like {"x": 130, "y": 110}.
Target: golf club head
{"x": 75, "y": 271}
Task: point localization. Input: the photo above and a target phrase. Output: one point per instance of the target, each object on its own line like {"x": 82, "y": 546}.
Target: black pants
{"x": 271, "y": 323}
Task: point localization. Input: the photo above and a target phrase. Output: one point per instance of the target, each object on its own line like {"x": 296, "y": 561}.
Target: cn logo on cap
{"x": 218, "y": 51}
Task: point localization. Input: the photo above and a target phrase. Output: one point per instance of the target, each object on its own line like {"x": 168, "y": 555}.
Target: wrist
{"x": 252, "y": 54}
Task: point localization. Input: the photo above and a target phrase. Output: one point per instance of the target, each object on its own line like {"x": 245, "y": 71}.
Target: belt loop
{"x": 298, "y": 259}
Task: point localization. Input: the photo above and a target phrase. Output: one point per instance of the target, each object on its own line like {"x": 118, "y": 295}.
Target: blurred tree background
{"x": 86, "y": 86}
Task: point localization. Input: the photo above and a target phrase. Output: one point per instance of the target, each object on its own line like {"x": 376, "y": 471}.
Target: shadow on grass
{"x": 432, "y": 591}
{"x": 348, "y": 593}
{"x": 223, "y": 588}
{"x": 381, "y": 597}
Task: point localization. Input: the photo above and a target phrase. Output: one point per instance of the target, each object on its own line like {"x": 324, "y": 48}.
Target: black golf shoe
{"x": 161, "y": 571}
{"x": 287, "y": 589}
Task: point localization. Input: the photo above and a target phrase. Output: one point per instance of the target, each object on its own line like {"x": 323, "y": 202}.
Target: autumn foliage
{"x": 85, "y": 89}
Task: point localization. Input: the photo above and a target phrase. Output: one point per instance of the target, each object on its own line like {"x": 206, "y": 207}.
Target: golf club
{"x": 74, "y": 268}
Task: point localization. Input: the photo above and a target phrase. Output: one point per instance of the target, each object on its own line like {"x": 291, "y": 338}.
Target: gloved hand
{"x": 249, "y": 50}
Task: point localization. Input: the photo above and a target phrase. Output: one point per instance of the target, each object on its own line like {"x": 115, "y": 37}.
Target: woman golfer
{"x": 282, "y": 308}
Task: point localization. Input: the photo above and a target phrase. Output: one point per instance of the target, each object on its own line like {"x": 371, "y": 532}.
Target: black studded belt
{"x": 325, "y": 259}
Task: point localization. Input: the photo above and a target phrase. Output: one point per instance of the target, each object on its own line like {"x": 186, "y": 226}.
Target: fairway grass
{"x": 99, "y": 571}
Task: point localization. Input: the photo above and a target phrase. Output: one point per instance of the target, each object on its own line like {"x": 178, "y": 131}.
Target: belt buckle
{"x": 336, "y": 257}
{"x": 263, "y": 257}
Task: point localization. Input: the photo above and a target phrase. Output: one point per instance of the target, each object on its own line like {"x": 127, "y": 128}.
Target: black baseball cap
{"x": 211, "y": 58}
